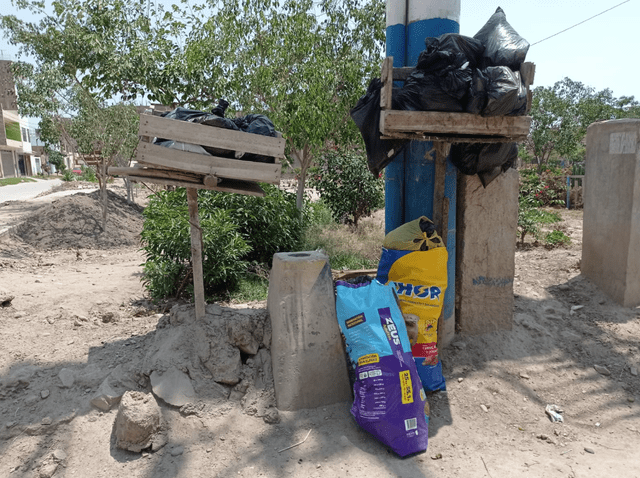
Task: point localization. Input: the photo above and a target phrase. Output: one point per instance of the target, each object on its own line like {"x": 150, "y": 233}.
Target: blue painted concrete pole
{"x": 409, "y": 180}
{"x": 394, "y": 173}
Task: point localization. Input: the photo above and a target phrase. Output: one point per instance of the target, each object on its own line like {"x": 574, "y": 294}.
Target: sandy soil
{"x": 83, "y": 309}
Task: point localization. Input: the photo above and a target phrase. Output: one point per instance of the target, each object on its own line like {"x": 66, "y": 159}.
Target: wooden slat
{"x": 225, "y": 185}
{"x": 345, "y": 275}
{"x": 202, "y": 164}
{"x": 387, "y": 83}
{"x": 455, "y": 138}
{"x": 528, "y": 73}
{"x": 222, "y": 138}
{"x": 401, "y": 74}
{"x": 437, "y": 122}
{"x": 154, "y": 173}
{"x": 240, "y": 187}
{"x": 168, "y": 182}
{"x": 196, "y": 252}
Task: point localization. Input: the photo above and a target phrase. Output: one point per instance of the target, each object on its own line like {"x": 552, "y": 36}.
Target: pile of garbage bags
{"x": 456, "y": 73}
{"x": 256, "y": 124}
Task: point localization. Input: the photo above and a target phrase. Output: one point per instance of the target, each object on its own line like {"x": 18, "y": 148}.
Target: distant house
{"x": 16, "y": 155}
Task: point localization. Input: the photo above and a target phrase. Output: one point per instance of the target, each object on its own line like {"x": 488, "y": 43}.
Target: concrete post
{"x": 485, "y": 268}
{"x": 308, "y": 358}
{"x": 611, "y": 228}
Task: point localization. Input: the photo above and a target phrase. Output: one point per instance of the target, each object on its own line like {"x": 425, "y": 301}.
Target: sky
{"x": 600, "y": 53}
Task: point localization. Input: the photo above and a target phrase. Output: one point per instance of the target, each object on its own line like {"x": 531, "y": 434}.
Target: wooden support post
{"x": 441, "y": 210}
{"x": 196, "y": 252}
{"x": 441, "y": 149}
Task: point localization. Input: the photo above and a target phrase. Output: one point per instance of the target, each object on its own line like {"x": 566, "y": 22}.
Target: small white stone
{"x": 59, "y": 455}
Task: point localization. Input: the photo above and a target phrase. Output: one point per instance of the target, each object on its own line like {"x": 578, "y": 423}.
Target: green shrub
{"x": 531, "y": 218}
{"x": 166, "y": 241}
{"x": 346, "y": 186}
{"x": 237, "y": 230}
{"x": 88, "y": 174}
{"x": 68, "y": 175}
{"x": 268, "y": 224}
{"x": 527, "y": 221}
{"x": 318, "y": 214}
{"x": 56, "y": 158}
{"x": 545, "y": 189}
{"x": 557, "y": 238}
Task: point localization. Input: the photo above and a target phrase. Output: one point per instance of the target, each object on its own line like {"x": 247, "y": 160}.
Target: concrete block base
{"x": 485, "y": 261}
{"x": 309, "y": 364}
{"x": 611, "y": 227}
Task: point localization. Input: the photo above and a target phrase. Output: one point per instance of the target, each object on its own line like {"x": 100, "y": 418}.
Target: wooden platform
{"x": 447, "y": 126}
{"x": 162, "y": 165}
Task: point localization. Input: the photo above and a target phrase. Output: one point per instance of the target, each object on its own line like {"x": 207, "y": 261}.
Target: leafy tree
{"x": 561, "y": 115}
{"x": 302, "y": 63}
{"x": 84, "y": 53}
{"x": 56, "y": 158}
{"x": 347, "y": 187}
{"x": 111, "y": 48}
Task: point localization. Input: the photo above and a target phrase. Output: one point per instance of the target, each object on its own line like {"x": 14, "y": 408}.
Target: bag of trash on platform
{"x": 503, "y": 46}
{"x": 389, "y": 401}
{"x": 366, "y": 116}
{"x": 254, "y": 124}
{"x": 418, "y": 272}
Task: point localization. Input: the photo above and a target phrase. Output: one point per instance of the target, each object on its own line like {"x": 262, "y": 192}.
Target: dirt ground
{"x": 79, "y": 305}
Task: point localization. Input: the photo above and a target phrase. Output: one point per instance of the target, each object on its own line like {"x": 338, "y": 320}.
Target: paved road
{"x": 23, "y": 191}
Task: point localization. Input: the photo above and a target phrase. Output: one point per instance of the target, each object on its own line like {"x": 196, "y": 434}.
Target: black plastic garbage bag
{"x": 449, "y": 51}
{"x": 487, "y": 160}
{"x": 257, "y": 124}
{"x": 425, "y": 92}
{"x": 366, "y": 116}
{"x": 506, "y": 95}
{"x": 503, "y": 45}
{"x": 477, "y": 97}
{"x": 456, "y": 83}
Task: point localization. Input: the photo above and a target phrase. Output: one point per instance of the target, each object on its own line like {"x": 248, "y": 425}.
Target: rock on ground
{"x": 139, "y": 422}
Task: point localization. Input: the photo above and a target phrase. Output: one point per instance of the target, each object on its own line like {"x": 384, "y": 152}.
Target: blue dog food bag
{"x": 389, "y": 401}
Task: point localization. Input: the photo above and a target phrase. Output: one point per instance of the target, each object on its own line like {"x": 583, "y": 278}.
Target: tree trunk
{"x": 103, "y": 191}
{"x": 304, "y": 158}
{"x": 129, "y": 185}
{"x": 300, "y": 191}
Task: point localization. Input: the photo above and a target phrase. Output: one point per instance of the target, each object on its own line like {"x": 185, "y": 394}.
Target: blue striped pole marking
{"x": 409, "y": 179}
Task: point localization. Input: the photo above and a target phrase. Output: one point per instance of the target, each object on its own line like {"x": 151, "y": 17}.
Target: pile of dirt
{"x": 75, "y": 222}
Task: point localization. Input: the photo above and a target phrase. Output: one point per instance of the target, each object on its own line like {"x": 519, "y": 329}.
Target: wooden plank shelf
{"x": 448, "y": 126}
{"x": 162, "y": 165}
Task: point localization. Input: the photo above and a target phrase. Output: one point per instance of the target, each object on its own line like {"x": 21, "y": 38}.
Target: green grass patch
{"x": 348, "y": 247}
{"x": 250, "y": 287}
{"x": 557, "y": 238}
{"x": 546, "y": 217}
{"x": 10, "y": 181}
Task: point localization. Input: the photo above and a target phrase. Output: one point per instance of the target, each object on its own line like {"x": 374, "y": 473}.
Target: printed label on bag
{"x": 355, "y": 320}
{"x": 406, "y": 387}
{"x": 367, "y": 359}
